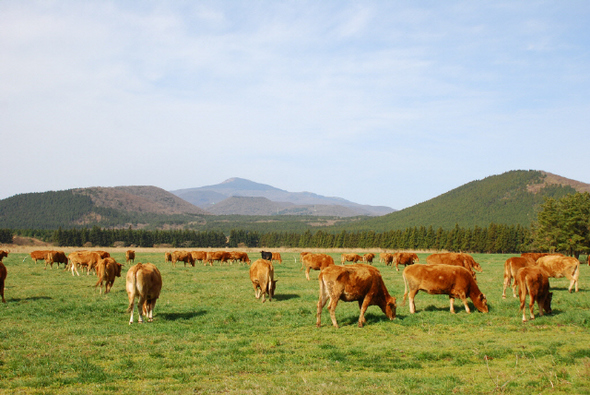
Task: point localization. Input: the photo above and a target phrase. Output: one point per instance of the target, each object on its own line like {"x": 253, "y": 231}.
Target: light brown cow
{"x": 129, "y": 256}
{"x": 455, "y": 281}
{"x": 182, "y": 256}
{"x": 168, "y": 257}
{"x": 106, "y": 271}
{"x": 143, "y": 281}
{"x": 360, "y": 282}
{"x": 200, "y": 256}
{"x": 55, "y": 257}
{"x": 368, "y": 258}
{"x": 85, "y": 259}
{"x": 276, "y": 256}
{"x": 536, "y": 255}
{"x": 350, "y": 258}
{"x": 315, "y": 261}
{"x": 534, "y": 281}
{"x": 561, "y": 266}
{"x": 455, "y": 259}
{"x": 404, "y": 258}
{"x": 511, "y": 266}
{"x": 262, "y": 274}
{"x": 39, "y": 255}
{"x": 221, "y": 256}
{"x": 386, "y": 257}
{"x": 3, "y": 273}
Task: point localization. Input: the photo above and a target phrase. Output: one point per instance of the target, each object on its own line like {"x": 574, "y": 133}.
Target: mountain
{"x": 511, "y": 198}
{"x": 278, "y": 201}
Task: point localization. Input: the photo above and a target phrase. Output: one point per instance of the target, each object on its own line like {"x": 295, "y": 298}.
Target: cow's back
{"x": 557, "y": 266}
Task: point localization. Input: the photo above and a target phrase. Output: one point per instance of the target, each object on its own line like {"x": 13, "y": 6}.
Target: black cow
{"x": 266, "y": 255}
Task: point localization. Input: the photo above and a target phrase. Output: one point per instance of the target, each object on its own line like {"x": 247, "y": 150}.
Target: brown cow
{"x": 182, "y": 256}
{"x": 39, "y": 255}
{"x": 168, "y": 257}
{"x": 106, "y": 271}
{"x": 200, "y": 256}
{"x": 129, "y": 257}
{"x": 350, "y": 258}
{"x": 386, "y": 257}
{"x": 455, "y": 259}
{"x": 262, "y": 275}
{"x": 3, "y": 254}
{"x": 561, "y": 266}
{"x": 276, "y": 256}
{"x": 221, "y": 256}
{"x": 368, "y": 258}
{"x": 3, "y": 274}
{"x": 55, "y": 257}
{"x": 455, "y": 281}
{"x": 404, "y": 258}
{"x": 536, "y": 255}
{"x": 534, "y": 281}
{"x": 315, "y": 261}
{"x": 87, "y": 259}
{"x": 237, "y": 256}
{"x": 143, "y": 281}
{"x": 511, "y": 266}
{"x": 360, "y": 282}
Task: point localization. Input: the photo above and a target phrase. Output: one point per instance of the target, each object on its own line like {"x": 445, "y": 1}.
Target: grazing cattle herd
{"x": 451, "y": 274}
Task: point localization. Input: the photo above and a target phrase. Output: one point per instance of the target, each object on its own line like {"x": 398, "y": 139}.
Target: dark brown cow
{"x": 534, "y": 281}
{"x": 238, "y": 256}
{"x": 511, "y": 266}
{"x": 200, "y": 256}
{"x": 168, "y": 258}
{"x": 350, "y": 258}
{"x": 106, "y": 271}
{"x": 455, "y": 259}
{"x": 143, "y": 281}
{"x": 87, "y": 259}
{"x": 39, "y": 255}
{"x": 455, "y": 281}
{"x": 360, "y": 282}
{"x": 103, "y": 254}
{"x": 182, "y": 256}
{"x": 56, "y": 257}
{"x": 404, "y": 258}
{"x": 315, "y": 261}
{"x": 561, "y": 266}
{"x": 276, "y": 256}
{"x": 3, "y": 274}
{"x": 3, "y": 254}
{"x": 129, "y": 257}
{"x": 368, "y": 258}
{"x": 262, "y": 275}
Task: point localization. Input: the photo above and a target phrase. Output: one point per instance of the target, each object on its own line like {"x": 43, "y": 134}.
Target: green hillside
{"x": 511, "y": 198}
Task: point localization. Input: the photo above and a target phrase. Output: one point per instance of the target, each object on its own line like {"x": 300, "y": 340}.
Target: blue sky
{"x": 379, "y": 102}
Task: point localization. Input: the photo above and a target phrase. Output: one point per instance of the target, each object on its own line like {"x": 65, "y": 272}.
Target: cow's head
{"x": 481, "y": 303}
{"x": 547, "y": 304}
{"x": 118, "y": 269}
{"x": 390, "y": 307}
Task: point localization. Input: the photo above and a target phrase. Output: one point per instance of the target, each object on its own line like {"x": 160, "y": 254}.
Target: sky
{"x": 387, "y": 103}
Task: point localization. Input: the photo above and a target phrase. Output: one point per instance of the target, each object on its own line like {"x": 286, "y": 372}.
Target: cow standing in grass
{"x": 262, "y": 276}
{"x": 143, "y": 281}
{"x": 534, "y": 281}
{"x": 106, "y": 271}
{"x": 3, "y": 273}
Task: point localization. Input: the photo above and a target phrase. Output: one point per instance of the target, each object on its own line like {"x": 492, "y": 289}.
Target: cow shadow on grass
{"x": 286, "y": 296}
{"x": 182, "y": 316}
{"x": 31, "y": 299}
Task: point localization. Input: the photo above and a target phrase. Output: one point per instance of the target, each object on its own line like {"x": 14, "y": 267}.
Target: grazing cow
{"x": 200, "y": 256}
{"x": 350, "y": 258}
{"x": 106, "y": 270}
{"x": 262, "y": 275}
{"x": 315, "y": 261}
{"x": 221, "y": 256}
{"x": 55, "y": 257}
{"x": 276, "y": 257}
{"x": 455, "y": 281}
{"x": 534, "y": 281}
{"x": 404, "y": 258}
{"x": 266, "y": 255}
{"x": 511, "y": 267}
{"x": 561, "y": 266}
{"x": 130, "y": 256}
{"x": 182, "y": 256}
{"x": 87, "y": 259}
{"x": 103, "y": 254}
{"x": 386, "y": 257}
{"x": 368, "y": 258}
{"x": 237, "y": 256}
{"x": 168, "y": 257}
{"x": 3, "y": 273}
{"x": 359, "y": 282}
{"x": 455, "y": 259}
{"x": 143, "y": 281}
{"x": 38, "y": 255}
{"x": 3, "y": 254}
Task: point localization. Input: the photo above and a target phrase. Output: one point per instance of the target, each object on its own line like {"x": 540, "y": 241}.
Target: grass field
{"x": 210, "y": 335}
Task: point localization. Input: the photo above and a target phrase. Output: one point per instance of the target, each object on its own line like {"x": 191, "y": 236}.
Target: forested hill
{"x": 512, "y": 198}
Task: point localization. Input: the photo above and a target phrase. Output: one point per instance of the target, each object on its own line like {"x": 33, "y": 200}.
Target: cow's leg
{"x": 506, "y": 284}
{"x": 411, "y": 296}
{"x": 321, "y": 303}
{"x": 364, "y": 304}
{"x": 140, "y": 308}
{"x": 532, "y": 304}
{"x": 307, "y": 273}
{"x": 131, "y": 308}
{"x": 332, "y": 309}
{"x": 452, "y": 301}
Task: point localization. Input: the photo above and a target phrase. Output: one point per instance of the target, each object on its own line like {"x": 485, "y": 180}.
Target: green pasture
{"x": 58, "y": 335}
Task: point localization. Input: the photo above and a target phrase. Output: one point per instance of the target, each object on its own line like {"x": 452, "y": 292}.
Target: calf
{"x": 315, "y": 261}
{"x": 561, "y": 266}
{"x": 404, "y": 258}
{"x": 359, "y": 282}
{"x": 262, "y": 276}
{"x": 130, "y": 256}
{"x": 276, "y": 256}
{"x": 455, "y": 281}
{"x": 368, "y": 258}
{"x": 106, "y": 271}
{"x": 534, "y": 281}
{"x": 143, "y": 281}
{"x": 3, "y": 273}
{"x": 511, "y": 266}
{"x": 386, "y": 257}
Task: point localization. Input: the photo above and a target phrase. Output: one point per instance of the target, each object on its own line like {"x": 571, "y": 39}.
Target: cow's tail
{"x": 405, "y": 288}
{"x": 136, "y": 268}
